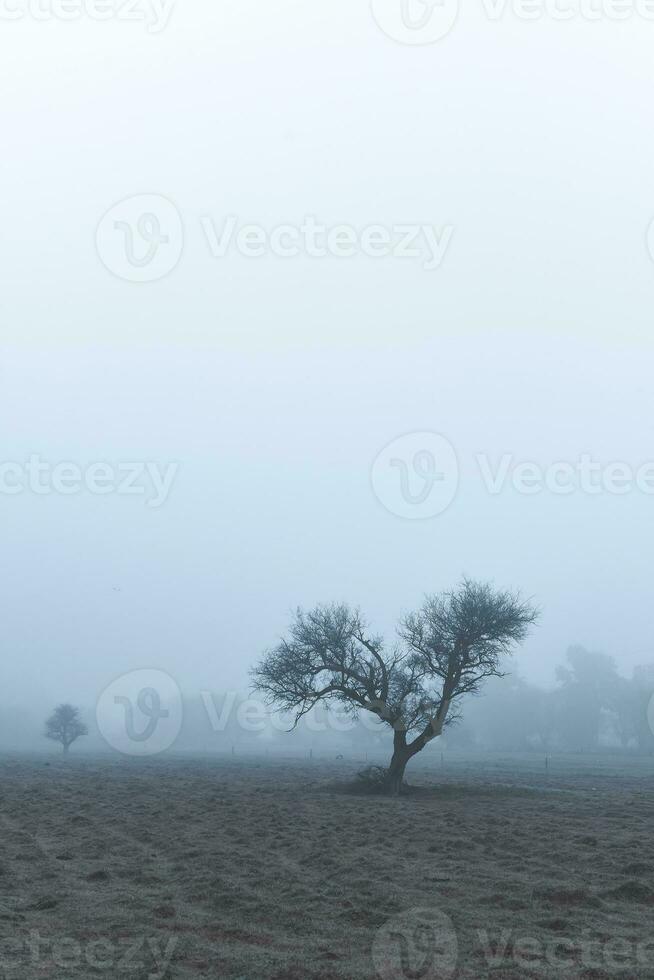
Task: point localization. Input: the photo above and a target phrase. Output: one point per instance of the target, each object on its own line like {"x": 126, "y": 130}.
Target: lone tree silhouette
{"x": 446, "y": 651}
{"x": 65, "y": 725}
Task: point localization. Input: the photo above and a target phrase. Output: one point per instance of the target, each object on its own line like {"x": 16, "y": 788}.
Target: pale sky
{"x": 274, "y": 383}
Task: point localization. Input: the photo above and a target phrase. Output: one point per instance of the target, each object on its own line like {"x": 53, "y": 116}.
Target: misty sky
{"x": 275, "y": 382}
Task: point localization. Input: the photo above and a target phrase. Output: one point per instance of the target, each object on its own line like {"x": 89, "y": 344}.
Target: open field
{"x": 268, "y": 869}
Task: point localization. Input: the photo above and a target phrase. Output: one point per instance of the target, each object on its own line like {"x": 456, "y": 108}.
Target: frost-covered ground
{"x": 254, "y": 869}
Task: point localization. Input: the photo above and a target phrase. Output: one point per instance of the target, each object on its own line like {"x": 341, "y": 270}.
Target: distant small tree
{"x": 65, "y": 726}
{"x": 447, "y": 649}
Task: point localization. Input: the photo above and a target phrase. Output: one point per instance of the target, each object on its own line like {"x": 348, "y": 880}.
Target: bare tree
{"x": 65, "y": 725}
{"x": 445, "y": 651}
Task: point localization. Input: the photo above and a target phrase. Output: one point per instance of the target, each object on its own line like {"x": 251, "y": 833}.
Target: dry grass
{"x": 246, "y": 870}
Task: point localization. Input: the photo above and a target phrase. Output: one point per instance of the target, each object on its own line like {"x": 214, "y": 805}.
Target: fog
{"x": 271, "y": 384}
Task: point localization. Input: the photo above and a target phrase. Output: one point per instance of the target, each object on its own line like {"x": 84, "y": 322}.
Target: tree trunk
{"x": 395, "y": 776}
{"x": 401, "y": 755}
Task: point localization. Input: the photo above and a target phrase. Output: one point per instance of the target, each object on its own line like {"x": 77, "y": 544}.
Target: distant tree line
{"x": 592, "y": 707}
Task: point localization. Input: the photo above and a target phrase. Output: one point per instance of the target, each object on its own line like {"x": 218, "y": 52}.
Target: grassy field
{"x": 246, "y": 868}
